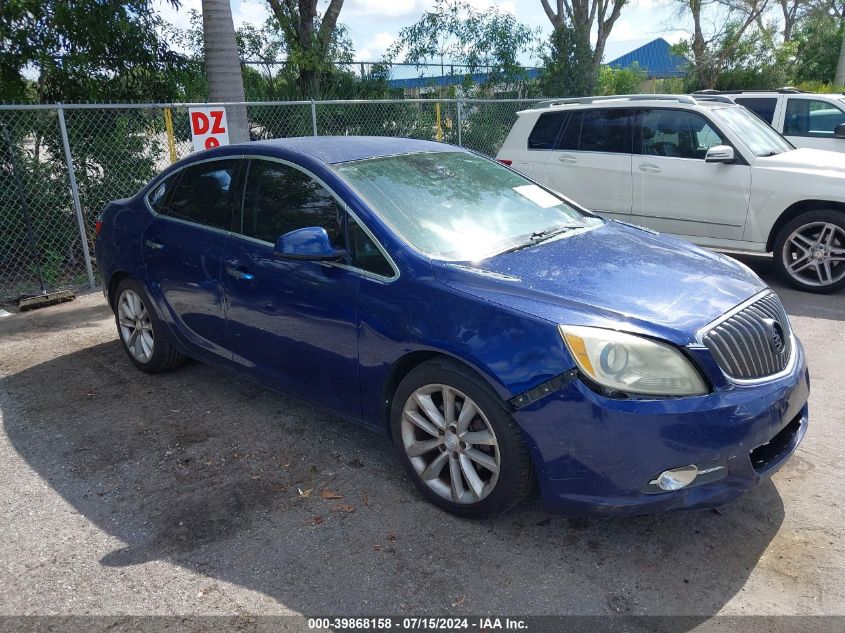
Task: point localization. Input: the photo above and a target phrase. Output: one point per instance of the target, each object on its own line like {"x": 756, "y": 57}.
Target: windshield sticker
{"x": 538, "y": 196}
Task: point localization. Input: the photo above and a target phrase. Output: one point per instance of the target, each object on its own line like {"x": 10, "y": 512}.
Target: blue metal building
{"x": 656, "y": 57}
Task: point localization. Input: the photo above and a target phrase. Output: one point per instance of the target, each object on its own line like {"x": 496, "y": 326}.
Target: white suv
{"x": 706, "y": 170}
{"x": 806, "y": 119}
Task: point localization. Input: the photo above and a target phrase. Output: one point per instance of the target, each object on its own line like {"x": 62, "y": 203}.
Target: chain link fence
{"x": 62, "y": 164}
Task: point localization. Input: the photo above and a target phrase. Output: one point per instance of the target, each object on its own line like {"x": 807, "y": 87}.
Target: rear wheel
{"x": 145, "y": 338}
{"x": 810, "y": 251}
{"x": 458, "y": 442}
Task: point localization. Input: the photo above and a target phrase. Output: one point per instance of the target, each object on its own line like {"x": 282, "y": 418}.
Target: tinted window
{"x": 811, "y": 117}
{"x": 364, "y": 254}
{"x": 279, "y": 199}
{"x": 158, "y": 197}
{"x": 204, "y": 193}
{"x": 572, "y": 133}
{"x": 763, "y": 107}
{"x": 545, "y": 131}
{"x": 606, "y": 131}
{"x": 677, "y": 134}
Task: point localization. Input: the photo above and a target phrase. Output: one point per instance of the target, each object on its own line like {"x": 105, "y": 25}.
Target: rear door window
{"x": 204, "y": 193}
{"x": 609, "y": 131}
{"x": 811, "y": 117}
{"x": 546, "y": 130}
{"x": 763, "y": 107}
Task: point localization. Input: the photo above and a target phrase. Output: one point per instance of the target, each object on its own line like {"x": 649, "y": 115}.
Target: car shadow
{"x": 213, "y": 473}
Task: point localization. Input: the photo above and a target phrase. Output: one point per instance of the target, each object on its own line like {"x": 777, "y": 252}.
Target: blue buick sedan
{"x": 500, "y": 334}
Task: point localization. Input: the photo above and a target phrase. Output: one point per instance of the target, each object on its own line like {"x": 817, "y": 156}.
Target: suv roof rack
{"x": 784, "y": 90}
{"x": 641, "y": 97}
{"x": 720, "y": 98}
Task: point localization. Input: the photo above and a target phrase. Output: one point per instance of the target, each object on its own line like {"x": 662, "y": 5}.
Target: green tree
{"x": 584, "y": 17}
{"x": 620, "y": 81}
{"x": 453, "y": 32}
{"x": 313, "y": 42}
{"x": 818, "y": 38}
{"x": 568, "y": 65}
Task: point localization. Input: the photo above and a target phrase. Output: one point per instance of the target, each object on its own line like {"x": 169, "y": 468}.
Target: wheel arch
{"x": 793, "y": 211}
{"x": 114, "y": 282}
{"x": 406, "y": 363}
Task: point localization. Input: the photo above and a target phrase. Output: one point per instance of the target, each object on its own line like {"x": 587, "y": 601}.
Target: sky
{"x": 374, "y": 24}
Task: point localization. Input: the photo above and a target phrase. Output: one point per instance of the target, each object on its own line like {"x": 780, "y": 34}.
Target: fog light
{"x": 676, "y": 478}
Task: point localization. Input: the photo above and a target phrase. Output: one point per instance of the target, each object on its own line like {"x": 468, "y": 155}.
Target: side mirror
{"x": 839, "y": 131}
{"x": 309, "y": 243}
{"x": 720, "y": 154}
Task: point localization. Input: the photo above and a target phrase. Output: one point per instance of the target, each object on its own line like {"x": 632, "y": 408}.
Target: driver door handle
{"x": 238, "y": 272}
{"x": 650, "y": 168}
{"x": 567, "y": 158}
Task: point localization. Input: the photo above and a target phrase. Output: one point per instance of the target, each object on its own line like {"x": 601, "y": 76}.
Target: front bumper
{"x": 596, "y": 456}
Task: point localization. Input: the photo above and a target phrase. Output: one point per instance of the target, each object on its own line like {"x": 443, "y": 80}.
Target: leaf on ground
{"x": 328, "y": 494}
{"x": 459, "y": 601}
{"x": 377, "y": 547}
{"x": 256, "y": 477}
{"x": 366, "y": 499}
{"x": 392, "y": 536}
{"x": 317, "y": 520}
{"x": 305, "y": 493}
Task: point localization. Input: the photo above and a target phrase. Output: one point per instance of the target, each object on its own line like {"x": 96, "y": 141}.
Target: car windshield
{"x": 459, "y": 206}
{"x": 760, "y": 138}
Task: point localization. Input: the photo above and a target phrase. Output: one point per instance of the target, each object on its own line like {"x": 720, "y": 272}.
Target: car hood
{"x": 807, "y": 160}
{"x": 612, "y": 276}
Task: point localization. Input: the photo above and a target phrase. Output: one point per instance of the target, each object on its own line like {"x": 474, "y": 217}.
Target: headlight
{"x": 633, "y": 364}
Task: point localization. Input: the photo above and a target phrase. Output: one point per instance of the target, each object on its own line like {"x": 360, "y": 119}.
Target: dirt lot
{"x": 123, "y": 493}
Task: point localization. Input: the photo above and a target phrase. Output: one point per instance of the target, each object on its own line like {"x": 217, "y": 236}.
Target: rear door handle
{"x": 567, "y": 158}
{"x": 650, "y": 168}
{"x": 153, "y": 245}
{"x": 238, "y": 272}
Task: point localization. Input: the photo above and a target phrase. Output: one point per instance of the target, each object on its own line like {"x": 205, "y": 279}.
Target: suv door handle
{"x": 233, "y": 270}
{"x": 567, "y": 158}
{"x": 650, "y": 168}
{"x": 153, "y": 245}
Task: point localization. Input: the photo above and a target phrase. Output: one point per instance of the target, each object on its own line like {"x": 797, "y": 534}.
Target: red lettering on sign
{"x": 211, "y": 142}
{"x": 217, "y": 116}
{"x": 199, "y": 122}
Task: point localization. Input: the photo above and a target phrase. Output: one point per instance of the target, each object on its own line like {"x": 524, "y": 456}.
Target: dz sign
{"x": 208, "y": 127}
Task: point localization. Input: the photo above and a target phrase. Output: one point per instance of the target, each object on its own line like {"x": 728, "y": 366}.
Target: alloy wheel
{"x": 136, "y": 328}
{"x": 450, "y": 443}
{"x": 814, "y": 254}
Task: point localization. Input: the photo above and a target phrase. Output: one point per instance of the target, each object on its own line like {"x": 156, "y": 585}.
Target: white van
{"x": 806, "y": 119}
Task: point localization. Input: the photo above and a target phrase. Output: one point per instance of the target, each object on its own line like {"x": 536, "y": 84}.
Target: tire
{"x": 144, "y": 337}
{"x": 809, "y": 251}
{"x": 422, "y": 435}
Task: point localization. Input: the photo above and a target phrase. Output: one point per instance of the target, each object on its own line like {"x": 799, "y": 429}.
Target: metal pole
{"x": 460, "y": 120}
{"x": 74, "y": 192}
{"x": 314, "y": 117}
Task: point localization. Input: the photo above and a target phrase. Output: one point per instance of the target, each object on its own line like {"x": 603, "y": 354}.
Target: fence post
{"x": 74, "y": 192}
{"x": 314, "y": 117}
{"x": 460, "y": 120}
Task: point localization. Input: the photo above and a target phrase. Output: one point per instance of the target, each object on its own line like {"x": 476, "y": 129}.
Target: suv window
{"x": 546, "y": 130}
{"x": 763, "y": 107}
{"x": 279, "y": 199}
{"x": 607, "y": 130}
{"x": 204, "y": 194}
{"x": 811, "y": 117}
{"x": 677, "y": 134}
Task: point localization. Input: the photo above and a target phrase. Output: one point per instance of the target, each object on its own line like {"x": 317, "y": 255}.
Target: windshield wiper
{"x": 538, "y": 237}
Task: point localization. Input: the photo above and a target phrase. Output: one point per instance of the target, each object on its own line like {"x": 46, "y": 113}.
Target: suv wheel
{"x": 810, "y": 251}
{"x": 458, "y": 442}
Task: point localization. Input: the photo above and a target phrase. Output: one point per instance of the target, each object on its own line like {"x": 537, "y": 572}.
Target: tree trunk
{"x": 839, "y": 78}
{"x": 223, "y": 66}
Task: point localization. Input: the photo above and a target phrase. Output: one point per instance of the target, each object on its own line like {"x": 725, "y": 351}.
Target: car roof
{"x": 342, "y": 149}
{"x": 629, "y": 101}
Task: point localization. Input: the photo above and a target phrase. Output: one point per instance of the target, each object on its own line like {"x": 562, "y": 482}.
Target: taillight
{"x": 505, "y": 161}
{"x": 97, "y": 226}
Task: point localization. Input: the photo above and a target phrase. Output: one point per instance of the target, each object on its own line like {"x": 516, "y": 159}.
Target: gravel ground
{"x": 199, "y": 492}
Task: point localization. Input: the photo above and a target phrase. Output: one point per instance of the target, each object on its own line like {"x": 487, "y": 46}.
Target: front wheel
{"x": 810, "y": 251}
{"x": 458, "y": 442}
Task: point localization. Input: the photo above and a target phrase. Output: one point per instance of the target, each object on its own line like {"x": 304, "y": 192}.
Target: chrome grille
{"x": 752, "y": 342}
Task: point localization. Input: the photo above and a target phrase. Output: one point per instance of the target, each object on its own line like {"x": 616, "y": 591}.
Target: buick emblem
{"x": 776, "y": 335}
